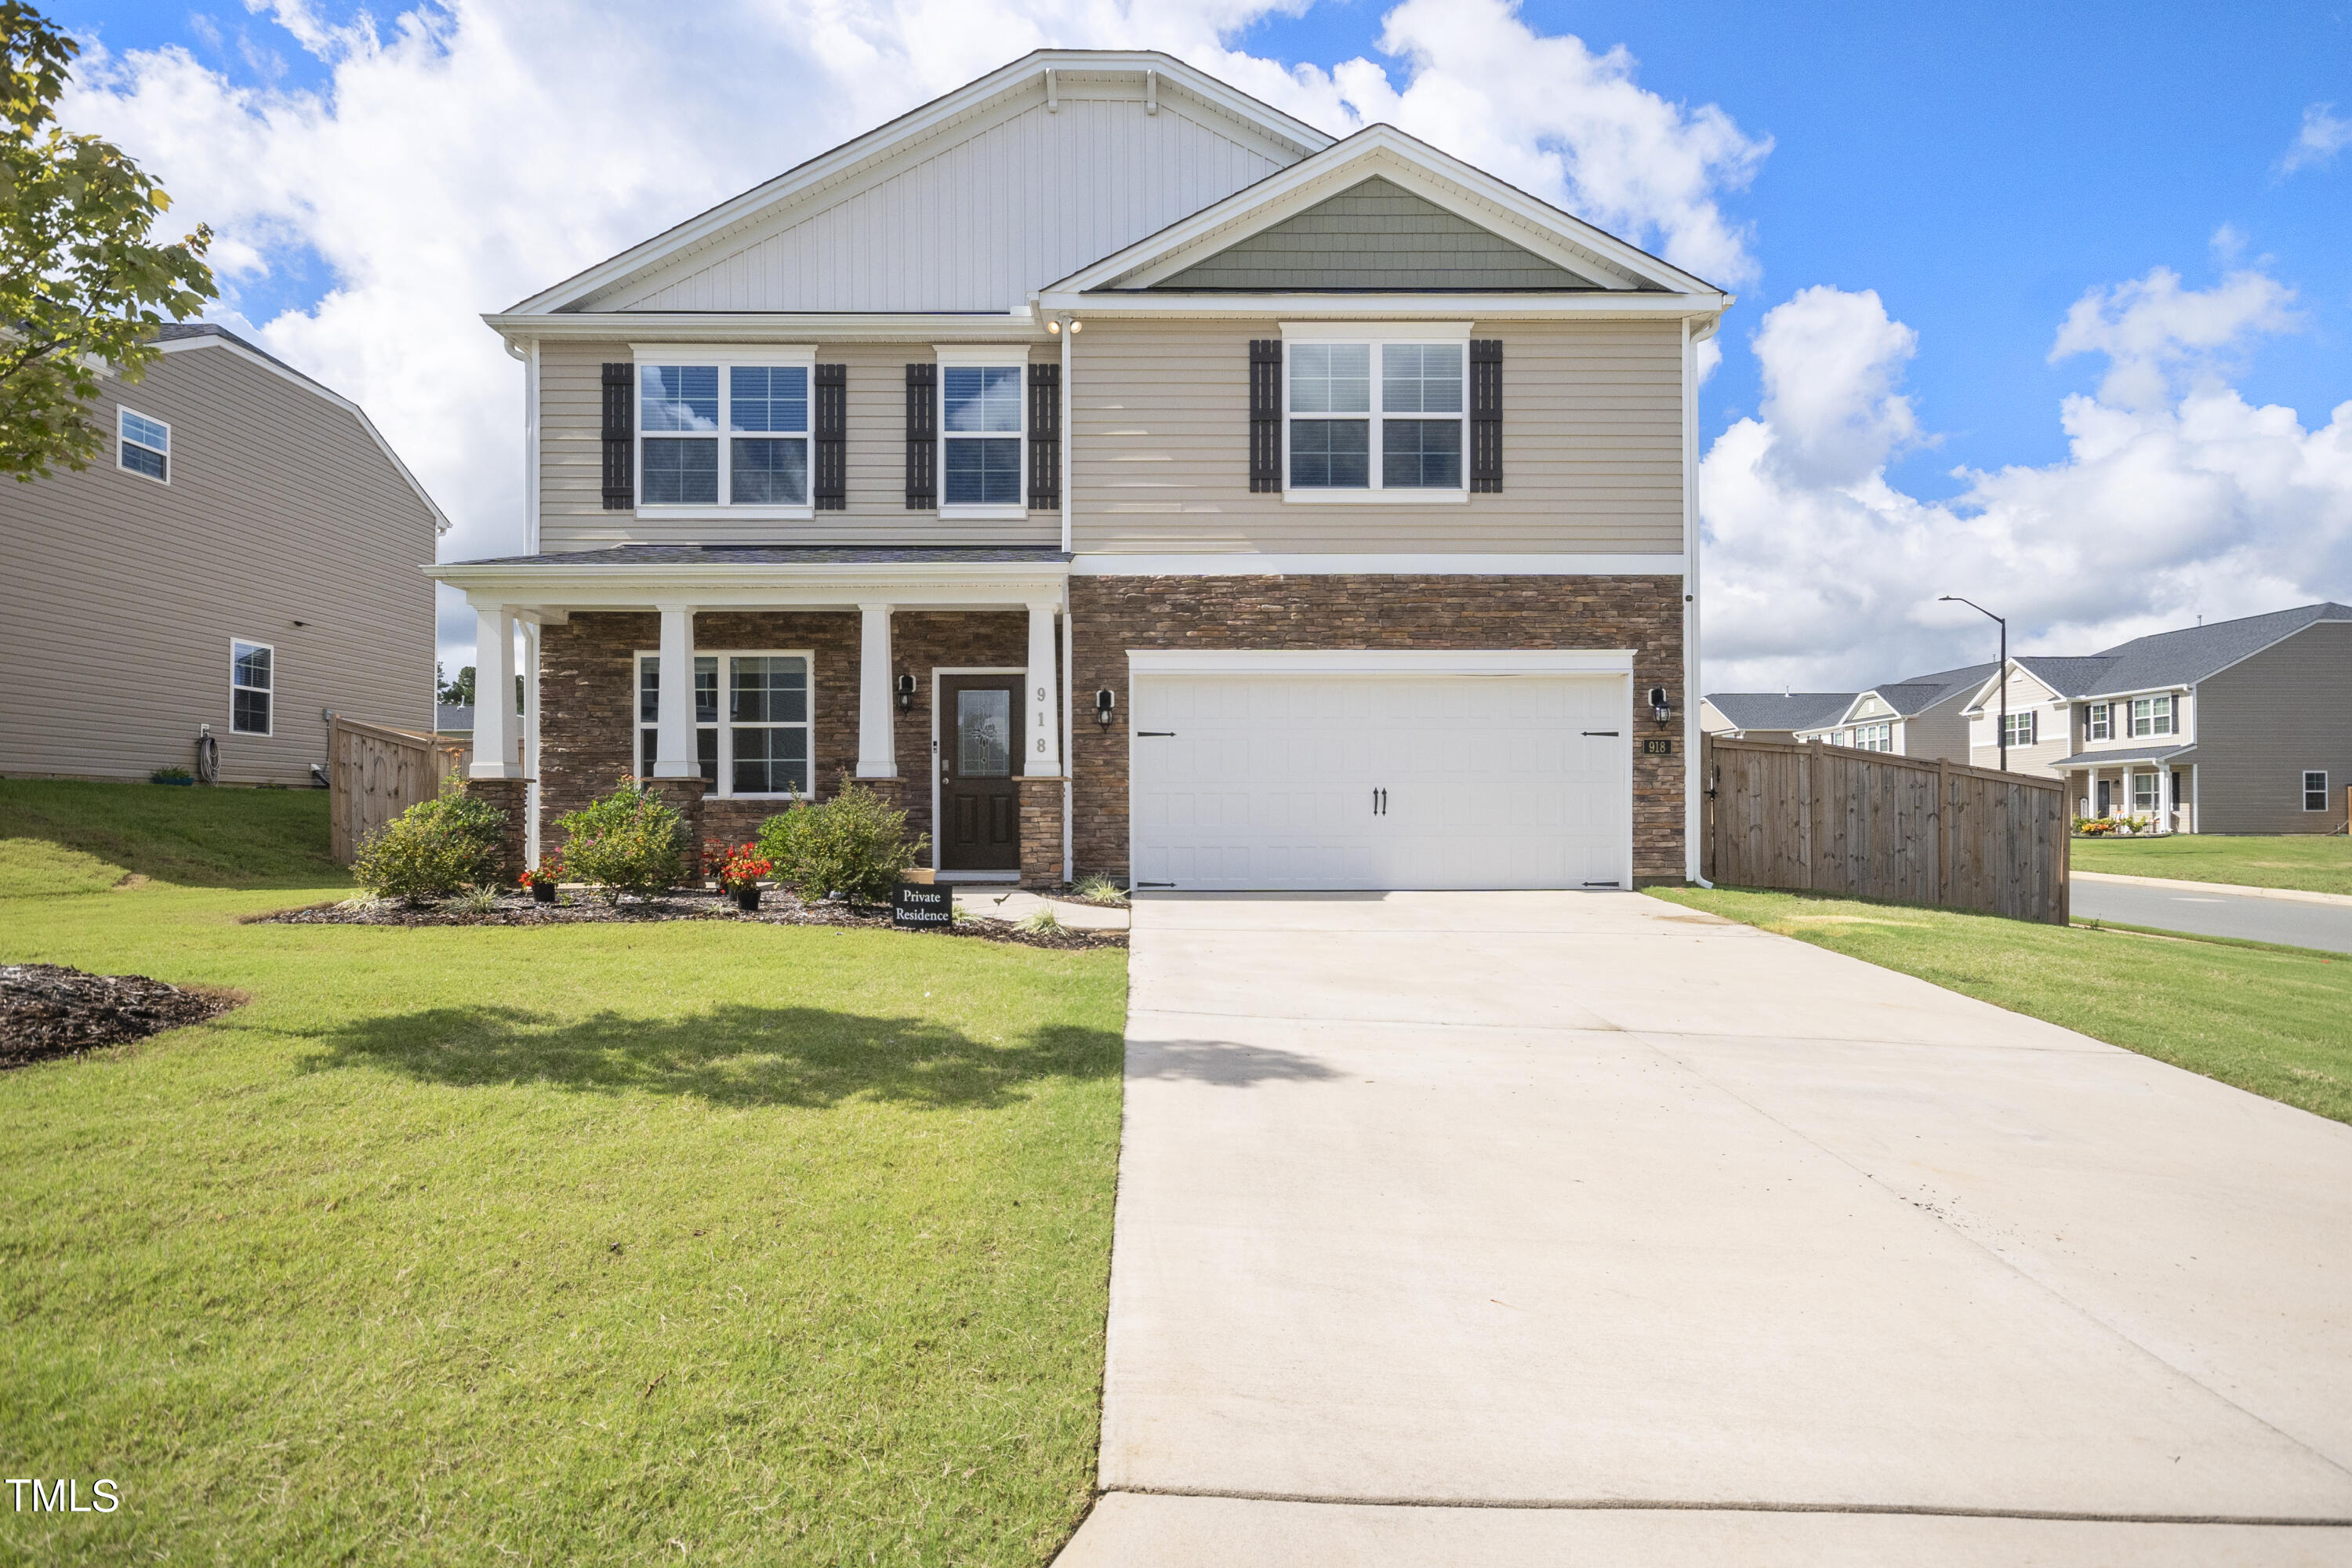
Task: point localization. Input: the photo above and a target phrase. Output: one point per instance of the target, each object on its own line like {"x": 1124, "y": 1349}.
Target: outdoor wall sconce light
{"x": 1660, "y": 708}
{"x": 1106, "y": 705}
{"x": 906, "y": 694}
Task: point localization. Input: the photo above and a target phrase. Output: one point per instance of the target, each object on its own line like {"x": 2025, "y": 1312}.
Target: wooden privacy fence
{"x": 374, "y": 773}
{"x": 1832, "y": 819}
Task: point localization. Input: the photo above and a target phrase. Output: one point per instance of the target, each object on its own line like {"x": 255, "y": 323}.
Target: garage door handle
{"x": 1601, "y": 731}
{"x": 1379, "y": 802}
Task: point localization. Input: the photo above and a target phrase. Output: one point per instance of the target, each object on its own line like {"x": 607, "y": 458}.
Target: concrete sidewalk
{"x": 1530, "y": 1226}
{"x": 2210, "y": 909}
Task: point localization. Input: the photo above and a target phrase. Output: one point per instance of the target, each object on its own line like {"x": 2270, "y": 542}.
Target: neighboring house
{"x": 2238, "y": 727}
{"x": 242, "y": 558}
{"x": 1769, "y": 715}
{"x": 1124, "y": 477}
{"x": 1921, "y": 716}
{"x": 454, "y": 722}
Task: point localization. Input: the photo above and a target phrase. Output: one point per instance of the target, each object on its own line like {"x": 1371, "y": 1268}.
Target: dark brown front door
{"x": 980, "y": 805}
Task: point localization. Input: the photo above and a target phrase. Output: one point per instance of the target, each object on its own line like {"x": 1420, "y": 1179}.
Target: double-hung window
{"x": 1875, "y": 737}
{"x": 2143, "y": 793}
{"x": 143, "y": 446}
{"x": 2099, "y": 721}
{"x": 2314, "y": 790}
{"x": 723, "y": 431}
{"x": 1371, "y": 415}
{"x": 750, "y": 721}
{"x": 984, "y": 432}
{"x": 2020, "y": 728}
{"x": 252, "y": 683}
{"x": 2151, "y": 716}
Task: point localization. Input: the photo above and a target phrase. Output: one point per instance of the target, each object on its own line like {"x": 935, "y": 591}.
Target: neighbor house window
{"x": 1374, "y": 416}
{"x": 750, "y": 721}
{"x": 982, "y": 431}
{"x": 143, "y": 445}
{"x": 2151, "y": 716}
{"x": 2017, "y": 729}
{"x": 252, "y": 681}
{"x": 2144, "y": 792}
{"x": 723, "y": 435}
{"x": 2315, "y": 791}
{"x": 2099, "y": 721}
{"x": 1875, "y": 737}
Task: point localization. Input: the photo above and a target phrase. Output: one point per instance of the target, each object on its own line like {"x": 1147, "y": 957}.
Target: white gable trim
{"x": 1435, "y": 176}
{"x": 867, "y": 159}
{"x": 182, "y": 345}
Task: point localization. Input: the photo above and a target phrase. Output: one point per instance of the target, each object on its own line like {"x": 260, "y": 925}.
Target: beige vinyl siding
{"x": 1939, "y": 731}
{"x": 571, "y": 466}
{"x": 1591, "y": 447}
{"x": 122, "y": 594}
{"x": 1375, "y": 235}
{"x": 2262, "y": 723}
{"x": 2054, "y": 728}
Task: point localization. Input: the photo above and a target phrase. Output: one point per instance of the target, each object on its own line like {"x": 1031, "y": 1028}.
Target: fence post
{"x": 1943, "y": 830}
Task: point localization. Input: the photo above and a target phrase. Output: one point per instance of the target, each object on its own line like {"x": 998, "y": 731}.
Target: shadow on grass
{"x": 195, "y": 838}
{"x": 732, "y": 1055}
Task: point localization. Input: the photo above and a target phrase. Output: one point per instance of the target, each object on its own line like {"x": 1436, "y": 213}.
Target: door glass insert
{"x": 984, "y": 735}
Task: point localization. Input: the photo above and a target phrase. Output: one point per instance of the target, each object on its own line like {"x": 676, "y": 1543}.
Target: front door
{"x": 979, "y": 803}
{"x": 2106, "y": 798}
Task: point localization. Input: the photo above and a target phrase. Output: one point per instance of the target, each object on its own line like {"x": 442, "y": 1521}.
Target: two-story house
{"x": 1769, "y": 715}
{"x": 1125, "y": 478}
{"x": 2237, "y": 727}
{"x": 1920, "y": 716}
{"x": 238, "y": 563}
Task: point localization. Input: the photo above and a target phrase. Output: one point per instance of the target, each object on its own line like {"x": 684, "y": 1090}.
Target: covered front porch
{"x": 736, "y": 680}
{"x": 2155, "y": 783}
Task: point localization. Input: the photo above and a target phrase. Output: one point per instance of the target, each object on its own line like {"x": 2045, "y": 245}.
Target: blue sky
{"x": 1980, "y": 168}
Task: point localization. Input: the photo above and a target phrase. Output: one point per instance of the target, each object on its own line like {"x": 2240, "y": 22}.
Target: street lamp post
{"x": 2003, "y": 624}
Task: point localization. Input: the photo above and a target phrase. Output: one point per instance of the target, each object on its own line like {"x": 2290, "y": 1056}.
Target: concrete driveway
{"x": 1491, "y": 1227}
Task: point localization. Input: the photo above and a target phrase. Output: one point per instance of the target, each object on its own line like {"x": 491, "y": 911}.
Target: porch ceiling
{"x": 769, "y": 578}
{"x": 2124, "y": 755}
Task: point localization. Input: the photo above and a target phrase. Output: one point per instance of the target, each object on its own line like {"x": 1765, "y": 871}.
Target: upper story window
{"x": 2018, "y": 729}
{"x": 1368, "y": 415}
{"x": 730, "y": 430}
{"x": 2099, "y": 721}
{"x": 983, "y": 431}
{"x": 1875, "y": 737}
{"x": 2151, "y": 716}
{"x": 143, "y": 446}
{"x": 2314, "y": 790}
{"x": 252, "y": 683}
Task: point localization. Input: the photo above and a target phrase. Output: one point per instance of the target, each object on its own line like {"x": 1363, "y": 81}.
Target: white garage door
{"x": 1250, "y": 781}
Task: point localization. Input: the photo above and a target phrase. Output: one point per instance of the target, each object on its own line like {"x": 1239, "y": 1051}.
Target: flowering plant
{"x": 737, "y": 866}
{"x": 547, "y": 873}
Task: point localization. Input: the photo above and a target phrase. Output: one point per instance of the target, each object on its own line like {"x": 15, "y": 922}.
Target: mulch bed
{"x": 683, "y": 904}
{"x": 46, "y": 1010}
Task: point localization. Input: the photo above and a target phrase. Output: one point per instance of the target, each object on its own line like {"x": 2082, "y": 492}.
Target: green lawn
{"x": 2269, "y": 1019}
{"x": 602, "y": 1243}
{"x": 2320, "y": 862}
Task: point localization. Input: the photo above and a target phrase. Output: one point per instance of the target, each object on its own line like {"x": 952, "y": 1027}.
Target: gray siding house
{"x": 1127, "y": 478}
{"x": 2241, "y": 726}
{"x": 244, "y": 556}
{"x": 1769, "y": 715}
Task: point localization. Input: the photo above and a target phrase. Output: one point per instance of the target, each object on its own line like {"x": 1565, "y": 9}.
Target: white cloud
{"x": 2324, "y": 134}
{"x": 2177, "y": 496}
{"x": 468, "y": 153}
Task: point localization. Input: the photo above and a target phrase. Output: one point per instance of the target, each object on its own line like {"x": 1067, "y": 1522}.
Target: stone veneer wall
{"x": 1112, "y": 614}
{"x": 588, "y": 712}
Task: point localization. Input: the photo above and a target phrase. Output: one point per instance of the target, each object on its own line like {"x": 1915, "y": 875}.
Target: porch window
{"x": 762, "y": 745}
{"x": 1374, "y": 416}
{"x": 2099, "y": 721}
{"x": 2018, "y": 729}
{"x": 2314, "y": 790}
{"x": 981, "y": 431}
{"x": 252, "y": 684}
{"x": 2151, "y": 716}
{"x": 757, "y": 411}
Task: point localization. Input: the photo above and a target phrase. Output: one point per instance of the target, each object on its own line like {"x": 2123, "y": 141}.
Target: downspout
{"x": 1694, "y": 780}
{"x": 1069, "y": 663}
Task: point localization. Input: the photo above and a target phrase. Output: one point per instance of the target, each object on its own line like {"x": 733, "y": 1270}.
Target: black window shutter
{"x": 830, "y": 472}
{"x": 922, "y": 437}
{"x": 1045, "y": 438}
{"x": 1265, "y": 414}
{"x": 1486, "y": 414}
{"x": 620, "y": 449}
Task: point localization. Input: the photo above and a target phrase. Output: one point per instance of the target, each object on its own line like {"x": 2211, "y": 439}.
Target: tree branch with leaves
{"x": 82, "y": 289}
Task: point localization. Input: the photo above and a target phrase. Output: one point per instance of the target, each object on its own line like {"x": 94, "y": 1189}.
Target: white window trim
{"x": 722, "y": 789}
{"x": 965, "y": 356}
{"x": 122, "y": 440}
{"x": 2172, "y": 715}
{"x": 1378, "y": 335}
{"x": 269, "y": 690}
{"x": 2098, "y": 717}
{"x": 803, "y": 355}
{"x": 2027, "y": 717}
{"x": 2326, "y": 801}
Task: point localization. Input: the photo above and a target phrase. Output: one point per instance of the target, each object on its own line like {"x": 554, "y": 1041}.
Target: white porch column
{"x": 878, "y": 750}
{"x": 674, "y": 755}
{"x": 494, "y": 673}
{"x": 1045, "y": 748}
{"x": 530, "y": 738}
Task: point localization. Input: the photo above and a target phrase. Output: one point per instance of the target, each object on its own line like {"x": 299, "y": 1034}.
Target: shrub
{"x": 172, "y": 777}
{"x": 1043, "y": 919}
{"x": 1101, "y": 889}
{"x": 433, "y": 848}
{"x": 629, "y": 841}
{"x": 855, "y": 845}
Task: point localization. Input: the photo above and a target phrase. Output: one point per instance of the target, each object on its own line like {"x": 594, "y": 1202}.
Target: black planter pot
{"x": 748, "y": 899}
{"x": 542, "y": 892}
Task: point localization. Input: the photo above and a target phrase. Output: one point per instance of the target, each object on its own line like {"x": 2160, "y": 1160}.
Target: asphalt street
{"x": 2213, "y": 912}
